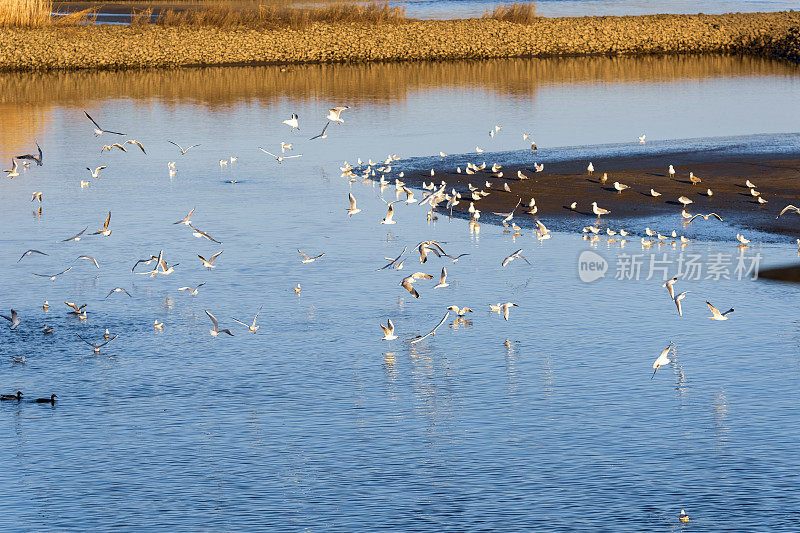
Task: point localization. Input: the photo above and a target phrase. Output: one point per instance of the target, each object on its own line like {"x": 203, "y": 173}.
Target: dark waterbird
{"x": 51, "y": 399}
{"x": 8, "y": 397}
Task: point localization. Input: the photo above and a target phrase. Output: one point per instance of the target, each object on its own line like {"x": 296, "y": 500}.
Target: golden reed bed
{"x": 77, "y": 46}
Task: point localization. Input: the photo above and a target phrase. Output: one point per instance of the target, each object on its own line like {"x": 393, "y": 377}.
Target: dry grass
{"x": 38, "y": 13}
{"x": 518, "y": 13}
{"x": 24, "y": 13}
{"x": 227, "y": 15}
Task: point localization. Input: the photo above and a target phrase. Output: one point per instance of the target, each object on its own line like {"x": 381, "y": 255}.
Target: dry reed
{"x": 517, "y": 13}
{"x": 39, "y": 13}
{"x": 24, "y": 13}
{"x": 227, "y": 15}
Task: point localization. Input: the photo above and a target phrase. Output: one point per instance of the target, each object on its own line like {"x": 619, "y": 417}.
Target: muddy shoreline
{"x": 777, "y": 177}
{"x": 152, "y": 46}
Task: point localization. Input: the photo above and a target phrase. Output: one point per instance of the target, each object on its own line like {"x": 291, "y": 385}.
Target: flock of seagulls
{"x": 434, "y": 196}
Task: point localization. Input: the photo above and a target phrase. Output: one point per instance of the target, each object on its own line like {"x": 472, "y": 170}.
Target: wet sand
{"x": 777, "y": 177}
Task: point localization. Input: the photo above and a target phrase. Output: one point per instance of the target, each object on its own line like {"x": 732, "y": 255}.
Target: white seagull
{"x": 98, "y": 131}
{"x": 716, "y": 315}
{"x": 388, "y": 331}
{"x": 252, "y": 327}
{"x": 183, "y": 152}
{"x": 216, "y": 331}
{"x": 333, "y": 114}
{"x": 662, "y": 359}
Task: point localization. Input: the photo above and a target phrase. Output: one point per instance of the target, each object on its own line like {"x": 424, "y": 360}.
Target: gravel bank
{"x": 114, "y": 47}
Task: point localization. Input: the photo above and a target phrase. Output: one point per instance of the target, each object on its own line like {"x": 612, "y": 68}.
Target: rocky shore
{"x": 116, "y": 47}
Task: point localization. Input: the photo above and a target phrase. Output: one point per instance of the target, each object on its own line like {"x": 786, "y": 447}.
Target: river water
{"x": 314, "y": 423}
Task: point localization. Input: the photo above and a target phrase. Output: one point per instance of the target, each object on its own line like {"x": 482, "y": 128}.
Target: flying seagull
{"x": 98, "y": 131}
{"x": 29, "y": 252}
{"x": 137, "y": 143}
{"x": 716, "y": 315}
{"x": 96, "y": 347}
{"x": 14, "y": 319}
{"x": 280, "y": 158}
{"x": 186, "y": 220}
{"x": 88, "y": 258}
{"x": 353, "y": 210}
{"x": 209, "y": 263}
{"x": 183, "y": 151}
{"x": 662, "y": 359}
{"x": 333, "y": 114}
{"x": 52, "y": 277}
{"x": 216, "y": 331}
{"x": 252, "y": 327}
{"x": 322, "y": 135}
{"x": 433, "y": 331}
{"x": 393, "y": 261}
{"x": 388, "y": 331}
{"x": 104, "y": 231}
{"x": 513, "y": 256}
{"x": 118, "y": 289}
{"x": 192, "y": 291}
{"x": 307, "y": 259}
{"x": 293, "y": 122}
{"x": 32, "y": 157}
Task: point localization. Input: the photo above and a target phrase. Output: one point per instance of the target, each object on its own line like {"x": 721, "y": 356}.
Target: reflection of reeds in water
{"x": 517, "y": 13}
{"x": 21, "y": 125}
{"x": 28, "y": 97}
{"x": 378, "y": 82}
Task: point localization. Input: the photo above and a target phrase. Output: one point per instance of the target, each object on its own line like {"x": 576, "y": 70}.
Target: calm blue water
{"x": 316, "y": 424}
{"x": 577, "y": 8}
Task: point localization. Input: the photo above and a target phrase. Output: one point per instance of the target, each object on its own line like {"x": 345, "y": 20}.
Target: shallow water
{"x": 577, "y": 8}
{"x": 314, "y": 422}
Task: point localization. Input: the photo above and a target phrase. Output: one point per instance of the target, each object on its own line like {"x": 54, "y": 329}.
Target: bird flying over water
{"x": 53, "y": 277}
{"x": 104, "y": 231}
{"x": 96, "y": 346}
{"x": 292, "y": 122}
{"x": 433, "y": 331}
{"x": 109, "y": 147}
{"x": 98, "y": 131}
{"x": 252, "y": 327}
{"x": 789, "y": 207}
{"x": 662, "y": 359}
{"x": 190, "y": 290}
{"x": 31, "y": 157}
{"x": 13, "y": 172}
{"x": 29, "y": 252}
{"x": 186, "y": 220}
{"x": 209, "y": 263}
{"x": 280, "y": 158}
{"x": 513, "y": 256}
{"x": 118, "y": 289}
{"x": 353, "y": 210}
{"x": 216, "y": 331}
{"x": 333, "y": 114}
{"x": 183, "y": 151}
{"x": 388, "y": 331}
{"x": 307, "y": 259}
{"x": 77, "y": 236}
{"x": 322, "y": 135}
{"x": 716, "y": 315}
{"x": 13, "y": 319}
{"x": 137, "y": 143}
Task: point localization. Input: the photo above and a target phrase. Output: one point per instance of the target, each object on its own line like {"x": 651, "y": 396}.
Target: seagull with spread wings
{"x": 98, "y": 131}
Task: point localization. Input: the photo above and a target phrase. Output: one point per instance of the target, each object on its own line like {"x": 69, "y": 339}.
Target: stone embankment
{"x": 138, "y": 46}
